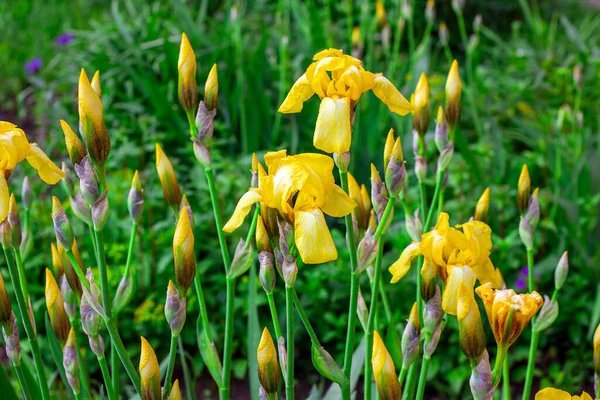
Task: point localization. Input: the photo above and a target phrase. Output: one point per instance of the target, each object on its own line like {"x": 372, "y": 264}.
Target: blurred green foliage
{"x": 522, "y": 75}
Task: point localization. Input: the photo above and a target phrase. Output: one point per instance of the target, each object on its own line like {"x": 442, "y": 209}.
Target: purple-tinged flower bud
{"x": 394, "y": 174}
{"x": 211, "y": 89}
{"x": 578, "y": 75}
{"x": 14, "y": 220}
{"x": 67, "y": 182}
{"x": 532, "y": 215}
{"x": 26, "y": 193}
{"x": 286, "y": 236}
{"x": 443, "y": 33}
{"x": 441, "y": 130}
{"x": 561, "y": 271}
{"x": 10, "y": 331}
{"x": 282, "y": 351}
{"x": 88, "y": 180}
{"x": 481, "y": 384}
{"x": 278, "y": 260}
{"x": 202, "y": 154}
{"x": 477, "y": 23}
{"x": 432, "y": 311}
{"x": 204, "y": 122}
{"x": 62, "y": 226}
{"x": 362, "y": 311}
{"x": 411, "y": 338}
{"x": 342, "y": 161}
{"x": 123, "y": 294}
{"x": 100, "y": 211}
{"x": 430, "y": 11}
{"x": 69, "y": 298}
{"x": 185, "y": 205}
{"x": 457, "y": 6}
{"x": 526, "y": 233}
{"x": 81, "y": 209}
{"x": 326, "y": 365}
{"x": 289, "y": 270}
{"x": 547, "y": 315}
{"x": 406, "y": 10}
{"x": 91, "y": 296}
{"x": 242, "y": 259}
{"x": 366, "y": 252}
{"x": 71, "y": 361}
{"x": 446, "y": 156}
{"x": 5, "y": 234}
{"x": 97, "y": 345}
{"x": 414, "y": 226}
{"x": 267, "y": 273}
{"x": 135, "y": 200}
{"x": 420, "y": 168}
{"x": 175, "y": 309}
{"x": 379, "y": 194}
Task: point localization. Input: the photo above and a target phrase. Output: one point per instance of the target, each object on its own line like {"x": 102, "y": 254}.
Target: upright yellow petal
{"x": 456, "y": 276}
{"x": 402, "y": 265}
{"x": 242, "y": 209}
{"x": 47, "y": 170}
{"x": 387, "y": 92}
{"x": 96, "y": 83}
{"x": 312, "y": 237}
{"x": 552, "y": 394}
{"x": 333, "y": 132}
{"x": 4, "y": 197}
{"x": 299, "y": 93}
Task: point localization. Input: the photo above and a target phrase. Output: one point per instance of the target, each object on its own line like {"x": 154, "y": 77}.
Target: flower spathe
{"x": 339, "y": 80}
{"x": 14, "y": 148}
{"x": 557, "y": 394}
{"x": 301, "y": 188}
{"x": 149, "y": 372}
{"x": 508, "y": 313}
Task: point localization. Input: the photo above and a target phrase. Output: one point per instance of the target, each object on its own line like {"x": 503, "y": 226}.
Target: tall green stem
{"x": 224, "y": 390}
{"x": 122, "y": 352}
{"x": 371, "y": 320}
{"x": 423, "y": 374}
{"x": 534, "y": 335}
{"x": 505, "y": 380}
{"x": 497, "y": 371}
{"x": 31, "y": 334}
{"x": 22, "y": 277}
{"x": 22, "y": 381}
{"x": 107, "y": 379}
{"x": 101, "y": 259}
{"x": 289, "y": 317}
{"x": 171, "y": 366}
{"x": 274, "y": 316}
{"x": 436, "y": 195}
{"x": 410, "y": 381}
{"x": 354, "y": 283}
{"x": 218, "y": 219}
{"x": 189, "y": 383}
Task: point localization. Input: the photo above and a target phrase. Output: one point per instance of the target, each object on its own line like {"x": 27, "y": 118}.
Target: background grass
{"x": 521, "y": 78}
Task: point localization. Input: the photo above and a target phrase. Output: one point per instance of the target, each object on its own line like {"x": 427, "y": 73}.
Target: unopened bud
{"x": 453, "y": 95}
{"x": 242, "y": 259}
{"x": 5, "y": 234}
{"x": 481, "y": 384}
{"x": 62, "y": 226}
{"x": 477, "y": 23}
{"x": 578, "y": 75}
{"x": 384, "y": 370}
{"x": 420, "y": 168}
{"x": 56, "y": 310}
{"x": 175, "y": 309}
{"x": 366, "y": 252}
{"x": 183, "y": 252}
{"x": 81, "y": 209}
{"x": 362, "y": 311}
{"x": 67, "y": 182}
{"x": 5, "y": 305}
{"x": 267, "y": 273}
{"x": 432, "y": 311}
{"x": 414, "y": 226}
{"x": 100, "y": 211}
{"x": 202, "y": 154}
{"x": 457, "y": 5}
{"x": 411, "y": 338}
{"x": 394, "y": 174}
{"x": 533, "y": 210}
{"x": 96, "y": 83}
{"x": 10, "y": 331}
{"x": 430, "y": 11}
{"x": 443, "y": 33}
{"x": 74, "y": 145}
{"x": 547, "y": 315}
{"x": 175, "y": 391}
{"x": 441, "y": 130}
{"x": 420, "y": 100}
{"x": 14, "y": 221}
{"x": 88, "y": 181}
{"x": 561, "y": 271}
{"x": 168, "y": 181}
{"x": 90, "y": 319}
{"x": 26, "y": 193}
{"x": 289, "y": 270}
{"x": 524, "y": 189}
{"x": 186, "y": 84}
{"x": 286, "y": 236}
{"x": 282, "y": 351}
{"x": 211, "y": 89}
{"x": 123, "y": 294}
{"x": 69, "y": 298}
{"x": 71, "y": 361}
{"x": 482, "y": 207}
{"x": 91, "y": 118}
{"x": 268, "y": 368}
{"x": 379, "y": 195}
{"x": 446, "y": 157}
{"x": 205, "y": 123}
{"x": 526, "y": 233}
{"x": 326, "y": 365}
{"x": 406, "y": 10}
{"x": 472, "y": 337}
{"x": 69, "y": 268}
{"x": 342, "y": 160}
{"x": 135, "y": 200}
{"x": 262, "y": 237}
{"x": 149, "y": 372}
{"x": 185, "y": 205}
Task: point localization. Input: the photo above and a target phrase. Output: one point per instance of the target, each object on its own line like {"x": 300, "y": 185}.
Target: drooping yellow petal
{"x": 456, "y": 276}
{"x": 313, "y": 239}
{"x": 272, "y": 159}
{"x": 47, "y": 170}
{"x": 4, "y": 197}
{"x": 387, "y": 92}
{"x": 241, "y": 210}
{"x": 337, "y": 203}
{"x": 299, "y": 93}
{"x": 402, "y": 265}
{"x": 333, "y": 132}
{"x": 14, "y": 147}
{"x": 552, "y": 394}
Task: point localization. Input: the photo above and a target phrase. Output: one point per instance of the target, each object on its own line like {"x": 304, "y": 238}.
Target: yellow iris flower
{"x": 500, "y": 304}
{"x": 301, "y": 188}
{"x": 14, "y": 148}
{"x": 556, "y": 394}
{"x": 339, "y": 80}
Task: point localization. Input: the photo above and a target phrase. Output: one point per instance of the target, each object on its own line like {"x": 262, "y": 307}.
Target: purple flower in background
{"x": 64, "y": 39}
{"x": 521, "y": 283}
{"x": 33, "y": 67}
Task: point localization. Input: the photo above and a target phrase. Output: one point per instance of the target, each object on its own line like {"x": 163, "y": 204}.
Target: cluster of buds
{"x": 432, "y": 322}
{"x": 149, "y": 372}
{"x": 175, "y": 309}
{"x": 394, "y": 168}
{"x": 90, "y": 190}
{"x": 268, "y": 367}
{"x": 529, "y": 206}
{"x": 384, "y": 370}
{"x": 9, "y": 326}
{"x": 411, "y": 338}
{"x": 89, "y": 308}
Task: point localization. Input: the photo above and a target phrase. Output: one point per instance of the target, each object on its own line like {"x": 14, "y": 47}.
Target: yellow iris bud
{"x": 175, "y": 391}
{"x": 5, "y": 305}
{"x": 387, "y": 149}
{"x": 183, "y": 251}
{"x": 384, "y": 371}
{"x": 168, "y": 180}
{"x": 149, "y": 372}
{"x": 483, "y": 205}
{"x": 91, "y": 118}
{"x": 211, "y": 89}
{"x": 96, "y": 84}
{"x": 74, "y": 145}
{"x": 268, "y": 368}
{"x": 380, "y": 13}
{"x": 57, "y": 263}
{"x": 56, "y": 309}
{"x": 524, "y": 189}
{"x": 186, "y": 86}
{"x": 597, "y": 350}
{"x": 355, "y": 37}
{"x": 453, "y": 93}
{"x": 420, "y": 101}
{"x": 472, "y": 337}
{"x": 508, "y": 313}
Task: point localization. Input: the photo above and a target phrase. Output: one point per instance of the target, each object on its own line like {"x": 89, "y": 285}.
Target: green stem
{"x": 386, "y": 302}
{"x": 534, "y": 335}
{"x": 402, "y": 376}
{"x": 94, "y": 244}
{"x": 530, "y": 276}
{"x": 21, "y": 271}
{"x": 436, "y": 194}
{"x": 125, "y": 360}
{"x": 354, "y": 284}
{"x": 289, "y": 316}
{"x": 31, "y": 335}
{"x": 134, "y": 227}
{"x": 202, "y": 304}
{"x": 22, "y": 381}
{"x": 101, "y": 259}
{"x": 274, "y": 315}
{"x": 371, "y": 320}
{"x": 78, "y": 396}
{"x": 305, "y": 320}
{"x": 218, "y": 219}
{"x": 83, "y": 369}
{"x": 171, "y": 366}
{"x": 224, "y": 390}
{"x": 107, "y": 379}
{"x": 114, "y": 367}
{"x": 189, "y": 383}
{"x": 505, "y": 380}
{"x": 497, "y": 372}
{"x": 410, "y": 381}
{"x": 440, "y": 204}
{"x": 423, "y": 374}
{"x": 386, "y": 213}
